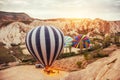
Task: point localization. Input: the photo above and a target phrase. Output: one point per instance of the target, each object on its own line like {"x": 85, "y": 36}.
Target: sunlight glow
{"x": 104, "y": 9}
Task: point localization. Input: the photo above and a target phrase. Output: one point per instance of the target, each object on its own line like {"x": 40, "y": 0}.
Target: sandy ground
{"x": 29, "y": 72}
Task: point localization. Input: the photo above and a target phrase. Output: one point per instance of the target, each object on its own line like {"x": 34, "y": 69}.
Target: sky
{"x": 46, "y": 9}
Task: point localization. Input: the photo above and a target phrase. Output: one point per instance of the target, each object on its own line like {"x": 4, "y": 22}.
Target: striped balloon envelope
{"x": 45, "y": 43}
{"x": 67, "y": 41}
{"x": 81, "y": 38}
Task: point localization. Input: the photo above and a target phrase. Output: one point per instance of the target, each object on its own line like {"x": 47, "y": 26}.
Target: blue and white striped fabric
{"x": 45, "y": 43}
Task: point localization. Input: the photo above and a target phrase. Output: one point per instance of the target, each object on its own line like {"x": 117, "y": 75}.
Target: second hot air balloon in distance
{"x": 68, "y": 42}
{"x": 81, "y": 41}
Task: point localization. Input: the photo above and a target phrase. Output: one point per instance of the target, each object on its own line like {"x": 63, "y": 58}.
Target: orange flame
{"x": 51, "y": 71}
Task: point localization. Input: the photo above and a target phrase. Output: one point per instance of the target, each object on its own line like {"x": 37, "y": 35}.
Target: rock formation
{"x": 13, "y": 33}
{"x": 107, "y": 68}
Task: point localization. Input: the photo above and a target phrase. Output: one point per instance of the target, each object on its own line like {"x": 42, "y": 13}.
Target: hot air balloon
{"x": 68, "y": 42}
{"x": 81, "y": 41}
{"x": 45, "y": 43}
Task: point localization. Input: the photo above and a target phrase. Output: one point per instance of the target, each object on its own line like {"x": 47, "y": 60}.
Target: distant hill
{"x": 76, "y": 25}
{"x": 9, "y": 17}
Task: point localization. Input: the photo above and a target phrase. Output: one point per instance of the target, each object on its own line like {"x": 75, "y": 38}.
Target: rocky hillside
{"x": 9, "y": 17}
{"x": 13, "y": 32}
{"x": 14, "y": 26}
{"x": 103, "y": 69}
{"x": 81, "y": 26}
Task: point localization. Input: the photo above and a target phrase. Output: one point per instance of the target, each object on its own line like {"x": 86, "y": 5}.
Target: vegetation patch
{"x": 5, "y": 57}
{"x": 79, "y": 63}
{"x": 14, "y": 54}
{"x": 65, "y": 55}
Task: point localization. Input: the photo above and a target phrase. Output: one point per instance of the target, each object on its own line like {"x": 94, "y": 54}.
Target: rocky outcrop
{"x": 103, "y": 69}
{"x": 13, "y": 33}
{"x": 114, "y": 26}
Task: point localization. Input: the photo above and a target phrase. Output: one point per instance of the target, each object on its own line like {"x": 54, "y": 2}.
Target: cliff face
{"x": 9, "y": 17}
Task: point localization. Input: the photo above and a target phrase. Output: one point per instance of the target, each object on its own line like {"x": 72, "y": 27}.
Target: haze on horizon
{"x": 46, "y": 9}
